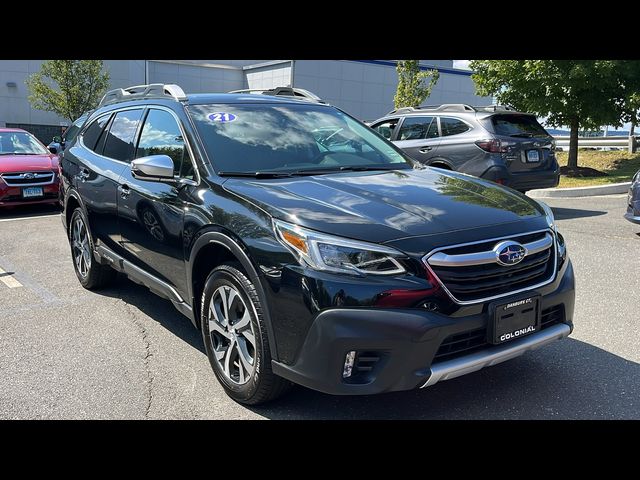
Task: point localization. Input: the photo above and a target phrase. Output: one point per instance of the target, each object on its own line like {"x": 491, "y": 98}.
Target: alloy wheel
{"x": 232, "y": 334}
{"x": 80, "y": 247}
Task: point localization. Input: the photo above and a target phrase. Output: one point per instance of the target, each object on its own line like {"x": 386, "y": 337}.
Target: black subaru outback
{"x": 306, "y": 247}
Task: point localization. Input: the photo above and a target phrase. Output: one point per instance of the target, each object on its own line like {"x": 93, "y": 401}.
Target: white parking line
{"x": 26, "y": 218}
{"x": 8, "y": 280}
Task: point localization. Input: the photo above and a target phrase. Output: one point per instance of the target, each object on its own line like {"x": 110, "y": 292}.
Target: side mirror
{"x": 53, "y": 150}
{"x": 154, "y": 168}
{"x": 57, "y": 139}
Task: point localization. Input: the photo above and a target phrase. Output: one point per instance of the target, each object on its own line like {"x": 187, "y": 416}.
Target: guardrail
{"x": 562, "y": 141}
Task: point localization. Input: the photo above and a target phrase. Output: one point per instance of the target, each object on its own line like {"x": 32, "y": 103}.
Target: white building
{"x": 363, "y": 88}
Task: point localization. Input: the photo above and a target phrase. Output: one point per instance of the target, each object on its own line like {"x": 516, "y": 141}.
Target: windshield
{"x": 518, "y": 125}
{"x": 20, "y": 143}
{"x": 250, "y": 138}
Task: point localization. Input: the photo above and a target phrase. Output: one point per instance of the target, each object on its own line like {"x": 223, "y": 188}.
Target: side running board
{"x": 106, "y": 256}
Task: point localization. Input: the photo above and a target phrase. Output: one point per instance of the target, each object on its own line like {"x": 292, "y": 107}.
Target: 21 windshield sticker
{"x": 222, "y": 117}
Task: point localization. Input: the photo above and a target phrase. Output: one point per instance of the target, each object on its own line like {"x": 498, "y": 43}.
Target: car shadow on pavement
{"x": 25, "y": 211}
{"x": 570, "y": 379}
{"x": 569, "y": 213}
{"x": 157, "y": 308}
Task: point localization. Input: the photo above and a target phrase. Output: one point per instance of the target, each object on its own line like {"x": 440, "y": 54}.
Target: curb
{"x": 611, "y": 189}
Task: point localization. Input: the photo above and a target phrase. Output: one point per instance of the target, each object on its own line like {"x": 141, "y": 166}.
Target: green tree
{"x": 413, "y": 88}
{"x": 578, "y": 93}
{"x": 68, "y": 87}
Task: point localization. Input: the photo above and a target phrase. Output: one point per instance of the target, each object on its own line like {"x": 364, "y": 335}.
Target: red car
{"x": 28, "y": 171}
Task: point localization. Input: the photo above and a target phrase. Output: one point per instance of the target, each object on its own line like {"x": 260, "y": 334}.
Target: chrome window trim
{"x": 425, "y": 261}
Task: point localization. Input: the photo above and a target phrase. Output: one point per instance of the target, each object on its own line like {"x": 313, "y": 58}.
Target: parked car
{"x": 306, "y": 247}
{"x": 58, "y": 142}
{"x": 633, "y": 200}
{"x": 495, "y": 143}
{"x": 28, "y": 171}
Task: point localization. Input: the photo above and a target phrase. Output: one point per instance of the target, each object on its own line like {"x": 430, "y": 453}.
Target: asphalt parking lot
{"x": 123, "y": 353}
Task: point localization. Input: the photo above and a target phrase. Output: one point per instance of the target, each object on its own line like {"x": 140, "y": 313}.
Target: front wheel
{"x": 91, "y": 274}
{"x": 235, "y": 337}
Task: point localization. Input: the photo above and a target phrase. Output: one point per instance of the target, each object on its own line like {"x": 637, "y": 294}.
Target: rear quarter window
{"x": 453, "y": 126}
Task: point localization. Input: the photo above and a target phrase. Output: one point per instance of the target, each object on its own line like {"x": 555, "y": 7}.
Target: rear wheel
{"x": 91, "y": 274}
{"x": 235, "y": 337}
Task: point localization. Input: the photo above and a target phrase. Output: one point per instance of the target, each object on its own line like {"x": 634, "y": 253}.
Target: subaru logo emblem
{"x": 29, "y": 176}
{"x": 509, "y": 253}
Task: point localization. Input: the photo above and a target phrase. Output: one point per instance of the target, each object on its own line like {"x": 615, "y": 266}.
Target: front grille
{"x": 474, "y": 283}
{"x": 28, "y": 178}
{"x": 461, "y": 344}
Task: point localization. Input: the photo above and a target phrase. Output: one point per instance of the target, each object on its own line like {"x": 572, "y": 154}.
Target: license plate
{"x": 533, "y": 156}
{"x": 515, "y": 319}
{"x": 32, "y": 192}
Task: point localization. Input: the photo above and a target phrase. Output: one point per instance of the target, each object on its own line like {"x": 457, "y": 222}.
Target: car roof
{"x": 207, "y": 98}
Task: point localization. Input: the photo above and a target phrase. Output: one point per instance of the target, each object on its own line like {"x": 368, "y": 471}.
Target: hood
{"x": 28, "y": 163}
{"x": 386, "y": 206}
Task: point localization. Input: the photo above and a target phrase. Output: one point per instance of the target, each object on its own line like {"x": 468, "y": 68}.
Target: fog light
{"x": 348, "y": 364}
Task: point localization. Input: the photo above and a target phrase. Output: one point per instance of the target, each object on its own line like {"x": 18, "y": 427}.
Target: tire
{"x": 90, "y": 273}
{"x": 231, "y": 318}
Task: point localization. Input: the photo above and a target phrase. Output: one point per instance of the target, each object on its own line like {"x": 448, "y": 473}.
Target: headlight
{"x": 336, "y": 254}
{"x": 551, "y": 221}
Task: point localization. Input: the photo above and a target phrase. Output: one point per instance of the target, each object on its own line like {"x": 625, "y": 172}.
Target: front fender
{"x": 240, "y": 251}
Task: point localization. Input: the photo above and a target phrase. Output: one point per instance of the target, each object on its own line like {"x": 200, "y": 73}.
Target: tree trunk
{"x": 573, "y": 144}
{"x": 632, "y": 141}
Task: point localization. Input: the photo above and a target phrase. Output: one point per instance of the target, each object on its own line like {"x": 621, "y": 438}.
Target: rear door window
{"x": 453, "y": 126}
{"x": 119, "y": 143}
{"x": 418, "y": 128}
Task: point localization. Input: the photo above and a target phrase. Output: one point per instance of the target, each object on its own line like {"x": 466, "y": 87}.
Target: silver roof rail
{"x": 155, "y": 90}
{"x": 495, "y": 108}
{"x": 445, "y": 107}
{"x": 282, "y": 91}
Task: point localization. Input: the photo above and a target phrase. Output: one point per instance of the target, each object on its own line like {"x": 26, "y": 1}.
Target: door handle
{"x": 124, "y": 191}
{"x": 425, "y": 149}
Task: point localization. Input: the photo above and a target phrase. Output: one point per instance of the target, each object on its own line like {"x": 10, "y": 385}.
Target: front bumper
{"x": 523, "y": 181}
{"x": 11, "y": 196}
{"x": 400, "y": 345}
{"x": 633, "y": 204}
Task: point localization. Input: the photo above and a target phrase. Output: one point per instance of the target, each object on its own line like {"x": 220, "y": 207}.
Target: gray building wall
{"x": 365, "y": 89}
{"x": 269, "y": 74}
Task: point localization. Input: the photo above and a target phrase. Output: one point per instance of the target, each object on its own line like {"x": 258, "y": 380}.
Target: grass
{"x": 620, "y": 166}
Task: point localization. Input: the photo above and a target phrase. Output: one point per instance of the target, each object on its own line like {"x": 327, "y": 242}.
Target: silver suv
{"x": 495, "y": 142}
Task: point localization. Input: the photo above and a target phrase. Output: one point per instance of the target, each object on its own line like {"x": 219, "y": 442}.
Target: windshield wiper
{"x": 356, "y": 168}
{"x": 255, "y": 174}
{"x": 304, "y": 173}
{"x": 21, "y": 153}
